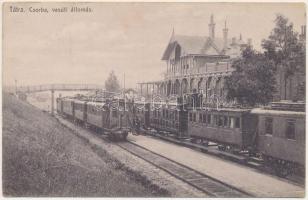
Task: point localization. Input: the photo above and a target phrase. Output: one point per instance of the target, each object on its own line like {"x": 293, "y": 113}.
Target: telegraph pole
{"x": 124, "y": 93}
{"x": 15, "y": 87}
{"x": 52, "y": 101}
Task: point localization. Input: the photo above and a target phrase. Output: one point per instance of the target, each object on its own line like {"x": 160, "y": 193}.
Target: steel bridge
{"x": 57, "y": 87}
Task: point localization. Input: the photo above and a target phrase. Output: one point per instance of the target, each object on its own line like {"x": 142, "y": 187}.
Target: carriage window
{"x": 290, "y": 129}
{"x": 220, "y": 120}
{"x": 190, "y": 117}
{"x": 237, "y": 122}
{"x": 269, "y": 126}
{"x": 208, "y": 119}
{"x": 216, "y": 119}
{"x": 204, "y": 118}
{"x": 225, "y": 121}
{"x": 200, "y": 117}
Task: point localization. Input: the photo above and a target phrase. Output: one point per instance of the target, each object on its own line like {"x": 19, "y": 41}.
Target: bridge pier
{"x": 52, "y": 101}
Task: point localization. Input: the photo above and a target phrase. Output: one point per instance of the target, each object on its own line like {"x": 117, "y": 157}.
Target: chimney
{"x": 225, "y": 36}
{"x": 249, "y": 42}
{"x": 303, "y": 30}
{"x": 212, "y": 28}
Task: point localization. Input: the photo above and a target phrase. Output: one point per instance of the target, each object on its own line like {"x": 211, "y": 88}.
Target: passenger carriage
{"x": 80, "y": 111}
{"x": 141, "y": 113}
{"x": 281, "y": 138}
{"x": 229, "y": 127}
{"x": 97, "y": 114}
{"x": 169, "y": 117}
{"x": 109, "y": 118}
{"x": 68, "y": 107}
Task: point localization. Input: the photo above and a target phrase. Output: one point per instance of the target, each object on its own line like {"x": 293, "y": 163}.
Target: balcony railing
{"x": 208, "y": 68}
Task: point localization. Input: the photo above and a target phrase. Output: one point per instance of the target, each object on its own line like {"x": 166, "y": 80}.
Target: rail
{"x": 201, "y": 181}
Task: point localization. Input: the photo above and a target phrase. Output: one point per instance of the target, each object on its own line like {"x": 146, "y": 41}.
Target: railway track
{"x": 202, "y": 182}
{"x": 207, "y": 184}
{"x": 240, "y": 159}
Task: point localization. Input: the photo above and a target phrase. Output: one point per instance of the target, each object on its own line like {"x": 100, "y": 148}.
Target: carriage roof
{"x": 93, "y": 103}
{"x": 262, "y": 111}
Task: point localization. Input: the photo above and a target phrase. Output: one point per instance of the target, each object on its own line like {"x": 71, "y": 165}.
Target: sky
{"x": 129, "y": 38}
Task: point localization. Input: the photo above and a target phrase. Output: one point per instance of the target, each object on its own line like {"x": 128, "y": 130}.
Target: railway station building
{"x": 201, "y": 64}
{"x": 197, "y": 63}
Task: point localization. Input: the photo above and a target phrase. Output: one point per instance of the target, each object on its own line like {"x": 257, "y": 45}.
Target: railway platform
{"x": 245, "y": 178}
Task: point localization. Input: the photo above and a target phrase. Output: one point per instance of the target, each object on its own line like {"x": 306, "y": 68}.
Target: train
{"x": 108, "y": 117}
{"x": 276, "y": 133}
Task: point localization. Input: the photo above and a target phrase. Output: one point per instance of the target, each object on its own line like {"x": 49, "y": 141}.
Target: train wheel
{"x": 111, "y": 137}
{"x": 124, "y": 136}
{"x": 205, "y": 143}
{"x": 221, "y": 147}
{"x": 282, "y": 171}
{"x": 193, "y": 140}
{"x": 282, "y": 168}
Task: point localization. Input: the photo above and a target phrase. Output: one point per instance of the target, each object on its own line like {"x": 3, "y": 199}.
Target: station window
{"x": 175, "y": 115}
{"x": 204, "y": 118}
{"x": 200, "y": 118}
{"x": 290, "y": 129}
{"x": 194, "y": 117}
{"x": 269, "y": 126}
{"x": 190, "y": 117}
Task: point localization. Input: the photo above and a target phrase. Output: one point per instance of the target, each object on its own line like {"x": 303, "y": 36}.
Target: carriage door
{"x": 183, "y": 120}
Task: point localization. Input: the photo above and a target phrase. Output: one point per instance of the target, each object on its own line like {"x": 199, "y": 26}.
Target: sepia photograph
{"x": 154, "y": 99}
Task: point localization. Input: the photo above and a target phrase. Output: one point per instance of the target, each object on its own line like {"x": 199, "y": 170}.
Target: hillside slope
{"x": 43, "y": 158}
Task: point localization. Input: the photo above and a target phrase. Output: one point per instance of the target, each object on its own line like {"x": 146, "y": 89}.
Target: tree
{"x": 284, "y": 49}
{"x": 253, "y": 80}
{"x": 112, "y": 83}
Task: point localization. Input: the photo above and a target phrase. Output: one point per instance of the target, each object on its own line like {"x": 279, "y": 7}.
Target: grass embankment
{"x": 41, "y": 157}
